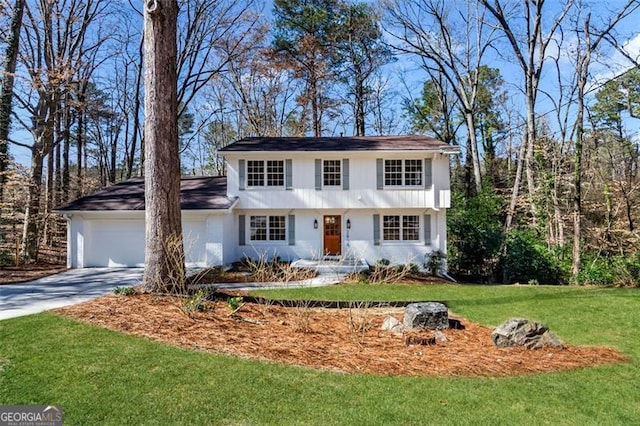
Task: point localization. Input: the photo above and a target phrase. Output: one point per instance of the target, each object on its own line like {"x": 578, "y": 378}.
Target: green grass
{"x": 104, "y": 377}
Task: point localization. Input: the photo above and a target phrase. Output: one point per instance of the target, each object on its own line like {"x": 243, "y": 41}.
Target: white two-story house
{"x": 365, "y": 198}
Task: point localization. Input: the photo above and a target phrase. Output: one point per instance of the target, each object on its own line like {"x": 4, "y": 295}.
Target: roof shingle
{"x": 196, "y": 193}
{"x": 347, "y": 143}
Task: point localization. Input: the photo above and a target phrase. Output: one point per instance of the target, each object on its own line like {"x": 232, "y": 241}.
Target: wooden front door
{"x": 333, "y": 235}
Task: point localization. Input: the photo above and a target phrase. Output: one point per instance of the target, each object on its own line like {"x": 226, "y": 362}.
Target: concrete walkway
{"x": 323, "y": 279}
{"x": 67, "y": 288}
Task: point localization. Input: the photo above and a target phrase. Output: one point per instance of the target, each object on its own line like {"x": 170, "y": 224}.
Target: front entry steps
{"x": 332, "y": 265}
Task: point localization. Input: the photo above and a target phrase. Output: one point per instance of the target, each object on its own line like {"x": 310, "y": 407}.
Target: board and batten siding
{"x": 306, "y": 190}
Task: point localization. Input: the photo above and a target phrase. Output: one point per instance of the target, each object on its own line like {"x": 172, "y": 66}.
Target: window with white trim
{"x": 265, "y": 173}
{"x": 401, "y": 228}
{"x": 331, "y": 175}
{"x": 403, "y": 172}
{"x": 267, "y": 228}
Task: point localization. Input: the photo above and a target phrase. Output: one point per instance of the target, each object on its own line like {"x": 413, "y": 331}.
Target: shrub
{"x": 234, "y": 303}
{"x": 607, "y": 271}
{"x": 434, "y": 264}
{"x": 124, "y": 291}
{"x": 527, "y": 259}
{"x": 475, "y": 233}
{"x": 196, "y": 303}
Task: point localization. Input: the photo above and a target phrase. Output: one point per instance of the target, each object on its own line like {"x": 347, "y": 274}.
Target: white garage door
{"x": 121, "y": 243}
{"x": 114, "y": 242}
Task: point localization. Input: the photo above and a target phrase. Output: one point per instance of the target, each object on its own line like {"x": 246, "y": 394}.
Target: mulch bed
{"x": 23, "y": 273}
{"x": 345, "y": 340}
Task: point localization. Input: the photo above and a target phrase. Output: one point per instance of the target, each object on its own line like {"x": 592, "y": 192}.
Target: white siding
{"x": 362, "y": 192}
{"x": 357, "y": 242}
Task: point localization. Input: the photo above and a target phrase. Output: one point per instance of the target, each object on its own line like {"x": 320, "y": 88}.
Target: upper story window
{"x": 270, "y": 172}
{"x": 331, "y": 172}
{"x": 403, "y": 172}
{"x": 401, "y": 228}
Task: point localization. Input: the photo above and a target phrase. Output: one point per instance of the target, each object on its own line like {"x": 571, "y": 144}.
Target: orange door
{"x": 332, "y": 235}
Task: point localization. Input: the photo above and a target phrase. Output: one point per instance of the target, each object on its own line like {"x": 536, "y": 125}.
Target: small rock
{"x": 419, "y": 340}
{"x": 525, "y": 333}
{"x": 392, "y": 324}
{"x": 430, "y": 315}
{"x": 439, "y": 336}
{"x": 455, "y": 324}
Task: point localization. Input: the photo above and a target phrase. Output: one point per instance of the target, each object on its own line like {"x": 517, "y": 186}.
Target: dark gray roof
{"x": 196, "y": 193}
{"x": 351, "y": 143}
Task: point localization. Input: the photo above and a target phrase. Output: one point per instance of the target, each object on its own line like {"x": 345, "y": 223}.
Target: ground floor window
{"x": 401, "y": 228}
{"x": 267, "y": 228}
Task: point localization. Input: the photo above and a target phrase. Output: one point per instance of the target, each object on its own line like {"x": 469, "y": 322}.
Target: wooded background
{"x": 545, "y": 190}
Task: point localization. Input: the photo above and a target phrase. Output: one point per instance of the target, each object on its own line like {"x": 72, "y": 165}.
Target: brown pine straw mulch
{"x": 328, "y": 339}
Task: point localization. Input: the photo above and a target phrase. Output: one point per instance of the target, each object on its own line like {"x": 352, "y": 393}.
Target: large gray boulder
{"x": 430, "y": 315}
{"x": 525, "y": 333}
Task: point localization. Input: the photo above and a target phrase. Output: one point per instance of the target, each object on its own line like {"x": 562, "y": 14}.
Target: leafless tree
{"x": 529, "y": 46}
{"x": 589, "y": 38}
{"x": 451, "y": 43}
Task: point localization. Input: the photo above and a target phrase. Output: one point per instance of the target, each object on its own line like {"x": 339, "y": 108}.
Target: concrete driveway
{"x": 66, "y": 288}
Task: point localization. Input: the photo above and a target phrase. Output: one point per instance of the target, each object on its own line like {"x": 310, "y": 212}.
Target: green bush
{"x": 475, "y": 234}
{"x": 197, "y": 302}
{"x": 607, "y": 271}
{"x": 528, "y": 259}
{"x": 124, "y": 291}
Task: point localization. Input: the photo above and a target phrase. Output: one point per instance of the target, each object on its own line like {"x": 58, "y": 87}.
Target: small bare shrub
{"x": 359, "y": 321}
{"x": 275, "y": 270}
{"x": 301, "y": 322}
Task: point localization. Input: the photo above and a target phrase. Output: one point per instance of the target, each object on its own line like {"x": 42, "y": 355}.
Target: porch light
{"x": 348, "y": 223}
{"x": 315, "y": 223}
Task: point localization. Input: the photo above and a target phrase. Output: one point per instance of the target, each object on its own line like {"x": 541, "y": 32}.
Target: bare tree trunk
{"x": 80, "y": 142}
{"x": 66, "y": 143}
{"x": 516, "y": 187}
{"x": 136, "y": 121}
{"x": 6, "y": 92}
{"x": 164, "y": 253}
{"x": 473, "y": 147}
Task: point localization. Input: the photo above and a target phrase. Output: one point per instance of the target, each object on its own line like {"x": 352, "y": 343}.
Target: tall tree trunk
{"x": 6, "y": 92}
{"x": 80, "y": 132}
{"x": 66, "y": 142}
{"x": 473, "y": 147}
{"x": 136, "y": 120}
{"x": 516, "y": 187}
{"x": 360, "y": 115}
{"x": 164, "y": 251}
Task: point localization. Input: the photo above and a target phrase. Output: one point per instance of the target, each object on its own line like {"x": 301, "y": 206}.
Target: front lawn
{"x": 104, "y": 377}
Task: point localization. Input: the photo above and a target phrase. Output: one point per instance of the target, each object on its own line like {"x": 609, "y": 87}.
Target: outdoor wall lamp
{"x": 348, "y": 223}
{"x": 315, "y": 223}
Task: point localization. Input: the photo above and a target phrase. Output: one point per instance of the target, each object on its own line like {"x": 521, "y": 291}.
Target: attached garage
{"x": 114, "y": 242}
{"x": 107, "y": 228}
